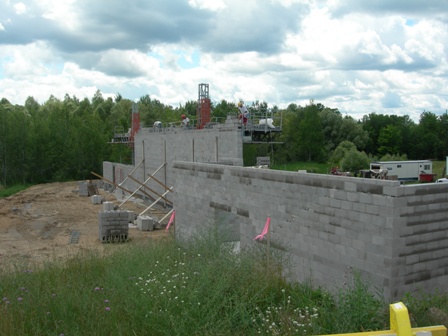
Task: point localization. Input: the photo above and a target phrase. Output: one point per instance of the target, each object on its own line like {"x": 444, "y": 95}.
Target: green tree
{"x": 393, "y": 157}
{"x": 222, "y": 109}
{"x": 353, "y": 131}
{"x": 87, "y": 145}
{"x": 15, "y": 127}
{"x": 426, "y": 138}
{"x": 355, "y": 160}
{"x": 310, "y": 137}
{"x": 152, "y": 110}
{"x": 341, "y": 151}
{"x": 389, "y": 140}
{"x": 331, "y": 120}
{"x": 31, "y": 105}
{"x": 442, "y": 150}
{"x": 375, "y": 123}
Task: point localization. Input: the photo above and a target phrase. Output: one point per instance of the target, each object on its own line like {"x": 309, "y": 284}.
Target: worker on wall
{"x": 185, "y": 121}
{"x": 244, "y": 113}
{"x": 157, "y": 126}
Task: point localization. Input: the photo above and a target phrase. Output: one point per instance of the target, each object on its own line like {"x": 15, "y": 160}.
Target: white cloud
{"x": 27, "y": 62}
{"x": 215, "y": 5}
{"x": 125, "y": 62}
{"x": 20, "y": 8}
{"x": 356, "y": 56}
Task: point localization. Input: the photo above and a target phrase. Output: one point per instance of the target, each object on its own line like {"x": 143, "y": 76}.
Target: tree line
{"x": 66, "y": 139}
{"x": 318, "y": 133}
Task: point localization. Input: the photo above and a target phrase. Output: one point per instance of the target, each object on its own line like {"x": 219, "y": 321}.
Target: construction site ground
{"x": 50, "y": 222}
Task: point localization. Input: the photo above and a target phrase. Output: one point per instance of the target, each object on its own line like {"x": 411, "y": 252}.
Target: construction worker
{"x": 157, "y": 125}
{"x": 244, "y": 113}
{"x": 185, "y": 121}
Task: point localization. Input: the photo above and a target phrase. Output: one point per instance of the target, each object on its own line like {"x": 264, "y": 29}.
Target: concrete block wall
{"x": 395, "y": 236}
{"x": 117, "y": 173}
{"x": 223, "y": 144}
{"x": 422, "y": 227}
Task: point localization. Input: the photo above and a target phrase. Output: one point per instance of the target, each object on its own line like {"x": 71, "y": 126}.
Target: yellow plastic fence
{"x": 400, "y": 325}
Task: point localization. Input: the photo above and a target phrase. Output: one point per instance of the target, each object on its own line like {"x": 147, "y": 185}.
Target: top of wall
{"x": 373, "y": 186}
{"x": 355, "y": 184}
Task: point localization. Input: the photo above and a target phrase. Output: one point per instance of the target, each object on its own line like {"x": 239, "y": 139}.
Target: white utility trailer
{"x": 403, "y": 170}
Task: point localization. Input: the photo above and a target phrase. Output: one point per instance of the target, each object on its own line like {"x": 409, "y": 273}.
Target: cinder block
{"x": 145, "y": 223}
{"x": 83, "y": 190}
{"x": 108, "y": 206}
{"x": 96, "y": 199}
{"x": 131, "y": 216}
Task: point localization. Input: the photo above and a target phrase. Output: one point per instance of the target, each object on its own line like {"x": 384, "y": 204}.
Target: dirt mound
{"x": 52, "y": 221}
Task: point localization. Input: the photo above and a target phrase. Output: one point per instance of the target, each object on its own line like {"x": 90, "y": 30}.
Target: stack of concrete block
{"x": 83, "y": 188}
{"x": 96, "y": 199}
{"x": 145, "y": 223}
{"x": 263, "y": 161}
{"x": 113, "y": 226}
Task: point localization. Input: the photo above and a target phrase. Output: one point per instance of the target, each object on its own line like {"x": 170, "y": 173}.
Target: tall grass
{"x": 8, "y": 191}
{"x": 166, "y": 288}
{"x": 438, "y": 167}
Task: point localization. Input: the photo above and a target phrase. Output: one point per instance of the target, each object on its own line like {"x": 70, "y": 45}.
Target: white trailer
{"x": 403, "y": 170}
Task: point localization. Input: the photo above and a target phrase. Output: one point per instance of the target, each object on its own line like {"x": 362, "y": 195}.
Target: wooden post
{"x": 133, "y": 170}
{"x": 143, "y": 160}
{"x": 113, "y": 183}
{"x": 148, "y": 208}
{"x": 143, "y": 185}
{"x": 164, "y": 163}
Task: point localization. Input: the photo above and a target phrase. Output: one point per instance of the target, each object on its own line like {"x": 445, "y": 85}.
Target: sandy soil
{"x": 37, "y": 224}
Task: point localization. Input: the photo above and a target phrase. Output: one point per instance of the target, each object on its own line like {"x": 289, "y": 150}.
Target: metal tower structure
{"x": 203, "y": 114}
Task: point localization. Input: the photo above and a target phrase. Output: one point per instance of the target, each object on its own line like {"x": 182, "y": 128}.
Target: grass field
{"x": 200, "y": 288}
{"x": 5, "y": 192}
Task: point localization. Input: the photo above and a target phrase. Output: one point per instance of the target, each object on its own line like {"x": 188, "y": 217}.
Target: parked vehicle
{"x": 404, "y": 170}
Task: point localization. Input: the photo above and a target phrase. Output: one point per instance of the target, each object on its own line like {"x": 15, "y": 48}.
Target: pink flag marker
{"x": 171, "y": 220}
{"x": 265, "y": 230}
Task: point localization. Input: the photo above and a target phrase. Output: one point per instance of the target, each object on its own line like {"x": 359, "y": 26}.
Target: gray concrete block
{"x": 108, "y": 206}
{"x": 145, "y": 223}
{"x": 96, "y": 199}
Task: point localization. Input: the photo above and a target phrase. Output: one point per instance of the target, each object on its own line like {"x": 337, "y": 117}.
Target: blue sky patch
{"x": 188, "y": 61}
{"x": 410, "y": 22}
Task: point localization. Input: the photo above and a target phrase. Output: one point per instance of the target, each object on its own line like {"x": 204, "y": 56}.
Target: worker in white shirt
{"x": 244, "y": 113}
{"x": 185, "y": 121}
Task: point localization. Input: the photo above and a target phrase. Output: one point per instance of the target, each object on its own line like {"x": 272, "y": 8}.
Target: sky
{"x": 360, "y": 57}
